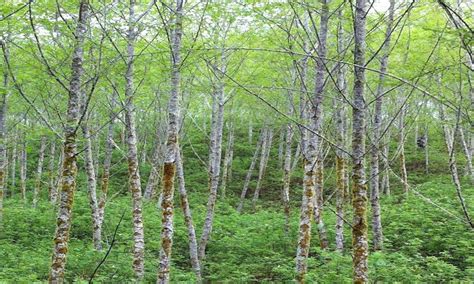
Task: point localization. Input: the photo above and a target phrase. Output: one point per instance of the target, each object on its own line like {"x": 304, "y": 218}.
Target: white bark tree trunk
{"x": 360, "y": 247}
{"x": 214, "y": 154}
{"x": 376, "y": 145}
{"x": 39, "y": 171}
{"x": 172, "y": 144}
{"x": 68, "y": 181}
{"x": 134, "y": 182}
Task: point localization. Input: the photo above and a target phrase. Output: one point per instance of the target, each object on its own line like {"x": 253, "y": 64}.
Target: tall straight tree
{"x": 172, "y": 144}
{"x": 69, "y": 169}
{"x": 215, "y": 151}
{"x": 360, "y": 246}
{"x": 134, "y": 183}
{"x": 39, "y": 171}
{"x": 311, "y": 148}
{"x": 3, "y": 131}
{"x": 376, "y": 143}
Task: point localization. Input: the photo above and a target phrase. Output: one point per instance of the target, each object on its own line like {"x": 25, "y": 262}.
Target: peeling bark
{"x": 68, "y": 181}
{"x": 134, "y": 183}
{"x": 360, "y": 247}
{"x": 172, "y": 144}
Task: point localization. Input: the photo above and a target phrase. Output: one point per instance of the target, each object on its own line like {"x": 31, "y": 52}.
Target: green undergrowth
{"x": 422, "y": 242}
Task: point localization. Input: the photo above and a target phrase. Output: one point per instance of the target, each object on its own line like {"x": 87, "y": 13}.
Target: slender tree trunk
{"x": 318, "y": 202}
{"x": 376, "y": 145}
{"x": 227, "y": 161}
{"x": 156, "y": 165}
{"x": 359, "y": 185}
{"x": 54, "y": 195}
{"x": 403, "y": 168}
{"x": 281, "y": 145}
{"x": 311, "y": 148}
{"x": 214, "y": 155}
{"x": 467, "y": 153}
{"x": 341, "y": 157}
{"x": 13, "y": 166}
{"x": 287, "y": 165}
{"x": 449, "y": 141}
{"x": 23, "y": 170}
{"x": 51, "y": 170}
{"x": 263, "y": 164}
{"x": 92, "y": 187}
{"x": 109, "y": 147}
{"x": 172, "y": 144}
{"x": 3, "y": 135}
{"x": 250, "y": 171}
{"x": 68, "y": 186}
{"x": 39, "y": 171}
{"x": 134, "y": 183}
{"x": 188, "y": 219}
{"x": 427, "y": 152}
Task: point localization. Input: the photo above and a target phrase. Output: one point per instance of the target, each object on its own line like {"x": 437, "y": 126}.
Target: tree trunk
{"x": 109, "y": 147}
{"x": 51, "y": 170}
{"x": 341, "y": 157}
{"x": 214, "y": 155}
{"x": 287, "y": 166}
{"x": 227, "y": 161}
{"x": 403, "y": 168}
{"x": 427, "y": 158}
{"x": 23, "y": 170}
{"x": 13, "y": 166}
{"x": 250, "y": 171}
{"x": 449, "y": 141}
{"x": 311, "y": 142}
{"x": 3, "y": 135}
{"x": 318, "y": 202}
{"x": 376, "y": 145}
{"x": 134, "y": 183}
{"x": 467, "y": 153}
{"x": 188, "y": 219}
{"x": 156, "y": 165}
{"x": 263, "y": 164}
{"x": 92, "y": 187}
{"x": 172, "y": 144}
{"x": 68, "y": 187}
{"x": 359, "y": 185}
{"x": 39, "y": 171}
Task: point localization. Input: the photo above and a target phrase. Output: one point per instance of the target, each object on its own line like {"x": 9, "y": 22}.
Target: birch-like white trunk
{"x": 188, "y": 219}
{"x": 360, "y": 246}
{"x": 228, "y": 157}
{"x": 215, "y": 153}
{"x": 51, "y": 169}
{"x": 376, "y": 145}
{"x": 91, "y": 187}
{"x": 311, "y": 142}
{"x": 23, "y": 170}
{"x": 68, "y": 180}
{"x": 134, "y": 183}
{"x": 248, "y": 177}
{"x": 3, "y": 135}
{"x": 263, "y": 165}
{"x": 39, "y": 171}
{"x": 172, "y": 144}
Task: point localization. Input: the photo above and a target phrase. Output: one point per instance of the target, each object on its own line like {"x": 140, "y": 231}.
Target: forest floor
{"x": 422, "y": 242}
